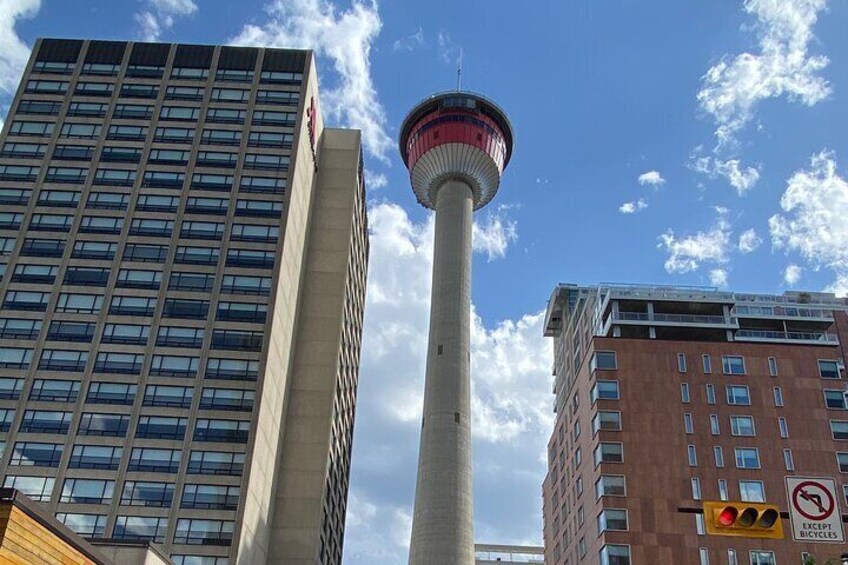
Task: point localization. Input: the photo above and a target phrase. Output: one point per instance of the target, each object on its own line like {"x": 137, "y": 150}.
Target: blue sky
{"x": 696, "y": 143}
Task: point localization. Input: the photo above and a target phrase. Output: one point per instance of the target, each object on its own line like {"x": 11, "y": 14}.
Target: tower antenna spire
{"x": 459, "y": 72}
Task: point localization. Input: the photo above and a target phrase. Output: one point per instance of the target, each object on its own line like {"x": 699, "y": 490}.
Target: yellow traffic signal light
{"x": 743, "y": 519}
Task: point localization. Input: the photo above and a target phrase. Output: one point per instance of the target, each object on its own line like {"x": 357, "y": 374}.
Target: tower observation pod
{"x": 456, "y": 146}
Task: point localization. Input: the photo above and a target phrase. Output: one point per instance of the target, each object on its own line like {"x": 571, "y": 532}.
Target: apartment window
{"x": 175, "y": 336}
{"x": 185, "y": 309}
{"x": 95, "y": 457}
{"x": 778, "y": 396}
{"x": 134, "y": 278}
{"x": 198, "y": 282}
{"x": 202, "y": 230}
{"x": 98, "y": 224}
{"x": 11, "y": 221}
{"x": 86, "y": 276}
{"x": 139, "y": 91}
{"x": 71, "y": 331}
{"x": 85, "y": 525}
{"x": 715, "y": 429}
{"x": 14, "y": 197}
{"x": 842, "y": 461}
{"x": 123, "y": 363}
{"x": 26, "y": 300}
{"x": 839, "y": 429}
{"x": 188, "y": 73}
{"x": 681, "y": 362}
{"x": 722, "y": 490}
{"x": 87, "y": 491}
{"x": 112, "y": 393}
{"x": 39, "y": 108}
{"x": 684, "y": 393}
{"x": 11, "y": 328}
{"x": 718, "y": 455}
{"x": 221, "y": 137}
{"x": 15, "y": 358}
{"x": 168, "y": 157}
{"x": 612, "y": 519}
{"x": 94, "y": 89}
{"x": 161, "y": 427}
{"x": 259, "y": 208}
{"x": 280, "y": 77}
{"x": 738, "y": 395}
{"x": 234, "y": 75}
{"x": 155, "y": 460}
{"x": 114, "y": 177}
{"x": 265, "y": 162}
{"x": 230, "y": 95}
{"x": 145, "y": 71}
{"x": 69, "y": 302}
{"x": 733, "y": 364}
{"x": 100, "y": 250}
{"x": 788, "y": 460}
{"x": 268, "y": 118}
{"x": 270, "y": 139}
{"x": 36, "y": 247}
{"x": 174, "y": 135}
{"x": 610, "y": 485}
{"x": 232, "y": 431}
{"x": 250, "y": 258}
{"x": 131, "y": 334}
{"x": 696, "y": 488}
{"x": 836, "y": 399}
{"x": 742, "y": 426}
{"x": 53, "y": 68}
{"x": 6, "y": 417}
{"x": 172, "y": 396}
{"x": 127, "y": 133}
{"x": 212, "y": 206}
{"x": 243, "y": 312}
{"x": 54, "y": 390}
{"x": 51, "y": 222}
{"x": 214, "y": 497}
{"x": 35, "y": 274}
{"x": 747, "y": 458}
{"x": 759, "y": 557}
{"x": 611, "y": 554}
{"x": 140, "y": 528}
{"x": 32, "y": 454}
{"x": 104, "y": 425}
{"x": 261, "y": 286}
{"x": 46, "y": 422}
{"x": 247, "y": 232}
{"x": 132, "y": 305}
{"x": 845, "y": 493}
{"x": 184, "y": 93}
{"x": 237, "y": 340}
{"x": 163, "y": 179}
{"x": 46, "y": 87}
{"x": 752, "y": 491}
{"x": 66, "y": 175}
{"x": 157, "y": 203}
{"x": 783, "y": 427}
{"x": 63, "y": 360}
{"x": 187, "y": 255}
{"x": 173, "y": 366}
{"x": 10, "y": 389}
{"x": 58, "y": 198}
{"x": 692, "y": 455}
{"x": 227, "y": 399}
{"x": 151, "y": 227}
{"x": 142, "y": 493}
{"x": 24, "y": 150}
{"x": 107, "y": 201}
{"x": 225, "y": 116}
{"x": 687, "y": 423}
{"x": 829, "y": 369}
{"x": 278, "y": 97}
{"x": 232, "y": 369}
{"x": 603, "y": 361}
{"x": 772, "y": 365}
{"x": 133, "y": 112}
{"x": 262, "y": 184}
{"x": 101, "y": 69}
{"x": 179, "y": 113}
{"x": 38, "y": 129}
{"x": 609, "y": 452}
{"x": 87, "y": 109}
{"x": 192, "y": 531}
{"x": 205, "y": 181}
{"x": 37, "y": 488}
{"x": 216, "y": 463}
{"x": 145, "y": 253}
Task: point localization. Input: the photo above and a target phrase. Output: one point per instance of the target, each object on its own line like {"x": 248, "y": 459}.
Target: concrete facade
{"x": 160, "y": 208}
{"x": 667, "y": 397}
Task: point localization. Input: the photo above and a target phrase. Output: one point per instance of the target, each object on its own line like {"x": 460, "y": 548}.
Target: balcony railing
{"x": 766, "y": 335}
{"x": 693, "y": 319}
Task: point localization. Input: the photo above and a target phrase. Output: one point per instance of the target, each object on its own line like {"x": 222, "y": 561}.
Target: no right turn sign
{"x": 814, "y": 510}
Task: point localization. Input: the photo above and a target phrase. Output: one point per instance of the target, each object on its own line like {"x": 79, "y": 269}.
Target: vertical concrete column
{"x": 443, "y": 521}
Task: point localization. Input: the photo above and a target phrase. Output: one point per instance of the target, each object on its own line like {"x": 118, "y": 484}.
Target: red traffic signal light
{"x": 743, "y": 519}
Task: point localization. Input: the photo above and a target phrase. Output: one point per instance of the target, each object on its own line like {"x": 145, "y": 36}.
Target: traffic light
{"x": 743, "y": 519}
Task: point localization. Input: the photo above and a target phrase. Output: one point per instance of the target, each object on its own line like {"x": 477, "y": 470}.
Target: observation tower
{"x": 456, "y": 146}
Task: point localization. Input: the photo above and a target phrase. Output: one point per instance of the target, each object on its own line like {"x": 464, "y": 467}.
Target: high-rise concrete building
{"x": 183, "y": 252}
{"x": 455, "y": 146}
{"x": 670, "y": 396}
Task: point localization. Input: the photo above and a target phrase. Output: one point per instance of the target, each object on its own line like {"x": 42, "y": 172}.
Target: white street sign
{"x": 814, "y": 510}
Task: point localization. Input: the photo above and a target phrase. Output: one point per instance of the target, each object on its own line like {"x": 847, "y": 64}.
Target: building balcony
{"x": 814, "y": 338}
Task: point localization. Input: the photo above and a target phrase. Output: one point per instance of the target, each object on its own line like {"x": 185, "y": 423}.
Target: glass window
{"x": 221, "y": 137}
{"x": 168, "y": 156}
{"x": 95, "y": 457}
{"x": 615, "y": 555}
{"x": 133, "y": 305}
{"x": 63, "y": 360}
{"x": 227, "y": 399}
{"x": 87, "y": 491}
{"x": 262, "y": 161}
{"x": 217, "y": 497}
{"x": 161, "y": 427}
{"x": 205, "y": 181}
{"x": 693, "y": 455}
{"x": 26, "y": 150}
{"x": 94, "y": 89}
{"x": 115, "y": 362}
{"x": 225, "y": 116}
{"x": 752, "y": 491}
{"x": 829, "y": 369}
{"x": 104, "y": 425}
{"x": 51, "y": 222}
{"x": 788, "y": 460}
{"x": 145, "y": 253}
{"x": 184, "y": 93}
{"x": 187, "y": 73}
{"x": 839, "y": 429}
{"x": 134, "y": 278}
{"x": 772, "y": 364}
{"x": 155, "y": 460}
{"x": 742, "y": 426}
{"x": 86, "y": 276}
{"x": 202, "y": 230}
{"x": 733, "y": 364}
{"x": 604, "y": 361}
{"x": 174, "y": 366}
{"x": 194, "y": 531}
{"x": 14, "y": 197}
{"x": 141, "y": 493}
{"x": 37, "y": 488}
{"x": 103, "y": 69}
{"x": 79, "y": 303}
{"x": 173, "y": 396}
{"x": 242, "y": 312}
{"x": 263, "y": 184}
{"x": 247, "y": 232}
{"x": 261, "y": 286}
{"x": 11, "y": 328}
{"x": 609, "y": 452}
{"x": 174, "y": 135}
{"x": 759, "y": 557}
{"x": 139, "y": 91}
{"x": 234, "y": 75}
{"x": 783, "y": 426}
{"x": 696, "y": 488}
{"x": 216, "y": 463}
{"x": 86, "y": 525}
{"x": 103, "y": 250}
{"x": 80, "y": 131}
{"x": 278, "y": 97}
{"x": 140, "y": 528}
{"x": 684, "y": 393}
{"x": 189, "y": 255}
{"x": 198, "y": 282}
{"x": 237, "y": 340}
{"x": 280, "y": 77}
{"x": 842, "y": 461}
{"x": 182, "y": 113}
{"x": 230, "y": 95}
{"x": 175, "y": 336}
{"x": 778, "y": 396}
{"x": 232, "y": 369}
{"x": 46, "y": 422}
{"x": 114, "y": 177}
{"x": 718, "y": 455}
{"x": 217, "y": 159}
{"x": 50, "y": 390}
{"x": 715, "y": 429}
{"x": 250, "y": 258}
{"x": 747, "y": 458}
{"x": 112, "y": 393}
{"x": 152, "y": 227}
{"x": 612, "y": 519}
{"x": 688, "y": 425}
{"x": 270, "y": 139}
{"x": 738, "y": 395}
{"x": 35, "y": 129}
{"x": 268, "y": 118}
{"x": 51, "y": 67}
{"x": 232, "y": 431}
{"x": 32, "y": 454}
{"x": 217, "y": 206}
{"x": 130, "y": 133}
{"x": 185, "y": 309}
{"x": 36, "y": 274}
{"x": 26, "y": 300}
{"x": 133, "y": 112}
{"x": 610, "y": 485}
{"x": 106, "y": 201}
{"x": 681, "y": 362}
{"x": 88, "y": 109}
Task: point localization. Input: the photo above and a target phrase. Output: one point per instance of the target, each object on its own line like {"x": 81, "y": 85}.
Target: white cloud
{"x": 792, "y": 274}
{"x": 344, "y": 38}
{"x": 814, "y": 222}
{"x": 449, "y": 51}
{"x": 160, "y": 17}
{"x": 651, "y": 178}
{"x": 741, "y": 178}
{"x": 686, "y": 254}
{"x": 511, "y": 400}
{"x": 375, "y": 180}
{"x": 494, "y": 235}
{"x": 13, "y": 51}
{"x": 718, "y": 277}
{"x": 782, "y": 66}
{"x": 410, "y": 42}
{"x": 749, "y": 241}
{"x": 633, "y": 207}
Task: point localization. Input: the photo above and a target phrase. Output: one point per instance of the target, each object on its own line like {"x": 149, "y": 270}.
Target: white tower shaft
{"x": 443, "y": 520}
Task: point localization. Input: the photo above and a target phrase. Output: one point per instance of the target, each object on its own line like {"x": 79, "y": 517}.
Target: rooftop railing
{"x": 766, "y": 335}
